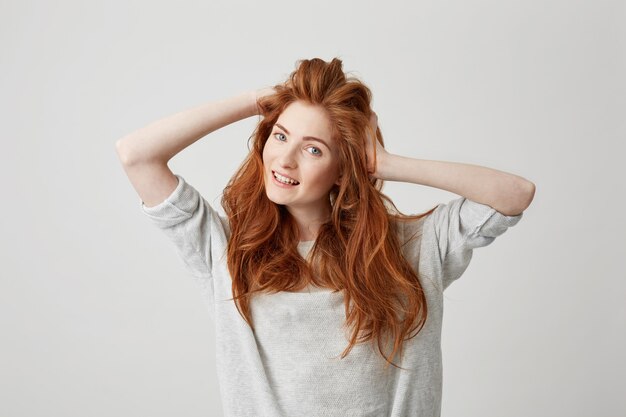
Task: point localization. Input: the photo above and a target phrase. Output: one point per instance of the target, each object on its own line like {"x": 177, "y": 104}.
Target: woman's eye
{"x": 317, "y": 151}
{"x": 276, "y": 136}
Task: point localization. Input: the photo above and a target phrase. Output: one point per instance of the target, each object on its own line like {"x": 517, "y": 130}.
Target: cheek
{"x": 269, "y": 150}
{"x": 265, "y": 154}
{"x": 325, "y": 176}
{"x": 334, "y": 170}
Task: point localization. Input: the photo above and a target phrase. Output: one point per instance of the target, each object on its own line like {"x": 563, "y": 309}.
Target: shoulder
{"x": 410, "y": 233}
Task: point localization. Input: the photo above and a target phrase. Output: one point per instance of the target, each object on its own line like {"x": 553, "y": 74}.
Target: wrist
{"x": 260, "y": 93}
{"x": 385, "y": 162}
{"x": 253, "y": 106}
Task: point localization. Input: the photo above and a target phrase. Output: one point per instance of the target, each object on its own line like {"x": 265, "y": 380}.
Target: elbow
{"x": 121, "y": 154}
{"x": 524, "y": 195}
{"x": 530, "y": 195}
{"x": 527, "y": 194}
{"x": 130, "y": 154}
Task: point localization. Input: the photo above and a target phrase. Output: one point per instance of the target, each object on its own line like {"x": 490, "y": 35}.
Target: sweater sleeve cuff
{"x": 488, "y": 221}
{"x": 181, "y": 202}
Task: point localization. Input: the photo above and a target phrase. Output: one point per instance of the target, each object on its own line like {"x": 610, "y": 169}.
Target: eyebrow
{"x": 305, "y": 137}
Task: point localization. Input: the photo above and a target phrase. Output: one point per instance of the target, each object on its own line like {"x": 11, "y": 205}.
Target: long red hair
{"x": 357, "y": 250}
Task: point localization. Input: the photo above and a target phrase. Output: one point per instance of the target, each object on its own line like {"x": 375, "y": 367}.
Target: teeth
{"x": 285, "y": 180}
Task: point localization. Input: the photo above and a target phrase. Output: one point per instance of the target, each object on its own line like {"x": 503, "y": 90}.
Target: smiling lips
{"x": 284, "y": 179}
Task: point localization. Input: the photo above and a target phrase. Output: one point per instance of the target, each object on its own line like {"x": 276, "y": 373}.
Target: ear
{"x": 338, "y": 182}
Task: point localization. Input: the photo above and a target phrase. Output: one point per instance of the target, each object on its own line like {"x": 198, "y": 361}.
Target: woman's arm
{"x": 145, "y": 153}
{"x": 162, "y": 140}
{"x": 507, "y": 193}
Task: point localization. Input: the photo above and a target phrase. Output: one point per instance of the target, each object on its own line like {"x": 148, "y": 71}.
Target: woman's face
{"x": 301, "y": 148}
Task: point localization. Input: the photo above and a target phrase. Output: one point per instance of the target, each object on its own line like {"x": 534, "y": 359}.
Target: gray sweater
{"x": 290, "y": 365}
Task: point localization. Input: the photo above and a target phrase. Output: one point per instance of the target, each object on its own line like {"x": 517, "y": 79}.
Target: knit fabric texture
{"x": 290, "y": 365}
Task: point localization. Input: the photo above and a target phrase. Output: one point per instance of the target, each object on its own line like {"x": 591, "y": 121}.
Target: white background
{"x": 97, "y": 315}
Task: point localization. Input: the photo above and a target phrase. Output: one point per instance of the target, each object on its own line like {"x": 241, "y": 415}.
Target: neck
{"x": 309, "y": 221}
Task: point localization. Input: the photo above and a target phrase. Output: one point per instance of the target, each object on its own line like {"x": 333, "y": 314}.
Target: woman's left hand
{"x": 374, "y": 169}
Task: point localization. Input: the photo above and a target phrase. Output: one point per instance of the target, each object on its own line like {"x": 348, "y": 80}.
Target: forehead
{"x": 304, "y": 119}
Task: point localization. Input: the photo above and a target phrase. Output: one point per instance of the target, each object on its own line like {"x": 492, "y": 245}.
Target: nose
{"x": 287, "y": 158}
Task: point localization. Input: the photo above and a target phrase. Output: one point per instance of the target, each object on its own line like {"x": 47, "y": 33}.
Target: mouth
{"x": 284, "y": 180}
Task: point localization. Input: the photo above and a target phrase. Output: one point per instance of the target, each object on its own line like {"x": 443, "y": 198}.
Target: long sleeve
{"x": 192, "y": 225}
{"x": 462, "y": 225}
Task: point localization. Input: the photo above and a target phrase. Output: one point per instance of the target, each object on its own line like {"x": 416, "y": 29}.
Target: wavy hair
{"x": 357, "y": 251}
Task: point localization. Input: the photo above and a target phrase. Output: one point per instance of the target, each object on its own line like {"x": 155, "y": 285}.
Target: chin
{"x": 273, "y": 199}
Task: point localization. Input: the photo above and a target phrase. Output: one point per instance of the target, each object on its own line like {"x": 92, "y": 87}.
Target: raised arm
{"x": 145, "y": 152}
{"x": 508, "y": 193}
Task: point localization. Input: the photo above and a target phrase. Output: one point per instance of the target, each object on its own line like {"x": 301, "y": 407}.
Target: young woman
{"x": 315, "y": 282}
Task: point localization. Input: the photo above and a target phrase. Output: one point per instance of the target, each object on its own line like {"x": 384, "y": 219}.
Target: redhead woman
{"x": 327, "y": 301}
